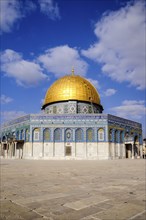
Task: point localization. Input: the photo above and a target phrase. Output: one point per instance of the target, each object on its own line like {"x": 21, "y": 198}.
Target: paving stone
{"x": 119, "y": 212}
{"x": 77, "y": 214}
{"x": 139, "y": 216}
{"x": 11, "y": 210}
{"x": 72, "y": 190}
{"x": 40, "y": 198}
{"x": 81, "y": 204}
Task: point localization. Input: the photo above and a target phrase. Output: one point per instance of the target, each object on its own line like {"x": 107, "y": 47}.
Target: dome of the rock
{"x": 71, "y": 87}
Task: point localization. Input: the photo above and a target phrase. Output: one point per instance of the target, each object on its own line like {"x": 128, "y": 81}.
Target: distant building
{"x": 144, "y": 148}
{"x": 71, "y": 126}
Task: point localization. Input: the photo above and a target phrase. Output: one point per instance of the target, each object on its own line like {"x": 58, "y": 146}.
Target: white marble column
{"x": 2, "y": 147}
{"x": 141, "y": 150}
{"x": 15, "y": 151}
{"x": 138, "y": 151}
{"x": 8, "y": 149}
{"x": 124, "y": 151}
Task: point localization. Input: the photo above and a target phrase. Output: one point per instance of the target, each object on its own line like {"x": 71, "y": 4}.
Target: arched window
{"x": 101, "y": 134}
{"x": 47, "y": 135}
{"x": 116, "y": 136}
{"x": 140, "y": 138}
{"x": 136, "y": 139}
{"x": 79, "y": 135}
{"x": 127, "y": 134}
{"x": 36, "y": 134}
{"x": 90, "y": 134}
{"x": 57, "y": 134}
{"x": 27, "y": 135}
{"x": 110, "y": 135}
{"x": 17, "y": 135}
{"x": 22, "y": 135}
{"x": 121, "y": 136}
{"x": 68, "y": 135}
{"x": 4, "y": 138}
{"x": 14, "y": 135}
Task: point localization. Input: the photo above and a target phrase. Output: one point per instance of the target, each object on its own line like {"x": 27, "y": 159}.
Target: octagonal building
{"x": 71, "y": 126}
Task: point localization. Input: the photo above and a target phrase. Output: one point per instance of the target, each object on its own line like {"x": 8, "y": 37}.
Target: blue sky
{"x": 104, "y": 40}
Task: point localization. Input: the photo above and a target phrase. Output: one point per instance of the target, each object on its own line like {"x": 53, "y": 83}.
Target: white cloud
{"x": 9, "y": 115}
{"x": 49, "y": 8}
{"x": 134, "y": 109}
{"x": 12, "y": 11}
{"x": 5, "y": 99}
{"x": 28, "y": 6}
{"x": 26, "y": 73}
{"x": 110, "y": 92}
{"x": 121, "y": 44}
{"x": 60, "y": 60}
{"x": 133, "y": 102}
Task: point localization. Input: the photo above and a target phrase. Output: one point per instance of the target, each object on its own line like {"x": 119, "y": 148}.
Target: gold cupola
{"x": 71, "y": 87}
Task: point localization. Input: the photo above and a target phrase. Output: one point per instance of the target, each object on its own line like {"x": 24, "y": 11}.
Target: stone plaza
{"x": 73, "y": 189}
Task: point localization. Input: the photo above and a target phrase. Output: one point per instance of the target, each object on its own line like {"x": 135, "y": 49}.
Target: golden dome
{"x": 72, "y": 87}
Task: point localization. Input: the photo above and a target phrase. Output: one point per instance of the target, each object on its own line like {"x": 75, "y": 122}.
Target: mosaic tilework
{"x": 116, "y": 127}
{"x": 72, "y": 107}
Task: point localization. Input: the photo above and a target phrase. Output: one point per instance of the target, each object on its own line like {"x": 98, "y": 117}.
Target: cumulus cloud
{"x": 60, "y": 60}
{"x": 13, "y": 11}
{"x": 5, "y": 99}
{"x": 10, "y": 13}
{"x": 9, "y": 115}
{"x": 134, "y": 109}
{"x": 26, "y": 73}
{"x": 110, "y": 92}
{"x": 121, "y": 44}
{"x": 49, "y": 8}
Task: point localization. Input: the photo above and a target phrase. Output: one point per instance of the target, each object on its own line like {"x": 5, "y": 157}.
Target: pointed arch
{"x": 68, "y": 135}
{"x": 17, "y": 135}
{"x": 110, "y": 134}
{"x": 116, "y": 136}
{"x": 4, "y": 138}
{"x": 57, "y": 134}
{"x": 46, "y": 134}
{"x": 22, "y": 134}
{"x": 100, "y": 134}
{"x": 27, "y": 135}
{"x": 79, "y": 135}
{"x": 36, "y": 134}
{"x": 90, "y": 135}
{"x": 121, "y": 136}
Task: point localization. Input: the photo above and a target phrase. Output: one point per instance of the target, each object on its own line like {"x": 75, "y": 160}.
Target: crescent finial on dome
{"x": 73, "y": 71}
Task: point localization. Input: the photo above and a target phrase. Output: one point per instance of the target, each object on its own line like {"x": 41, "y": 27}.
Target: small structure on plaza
{"x": 71, "y": 126}
{"x": 144, "y": 148}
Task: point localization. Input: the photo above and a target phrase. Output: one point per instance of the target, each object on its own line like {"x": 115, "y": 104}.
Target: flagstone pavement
{"x": 73, "y": 189}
